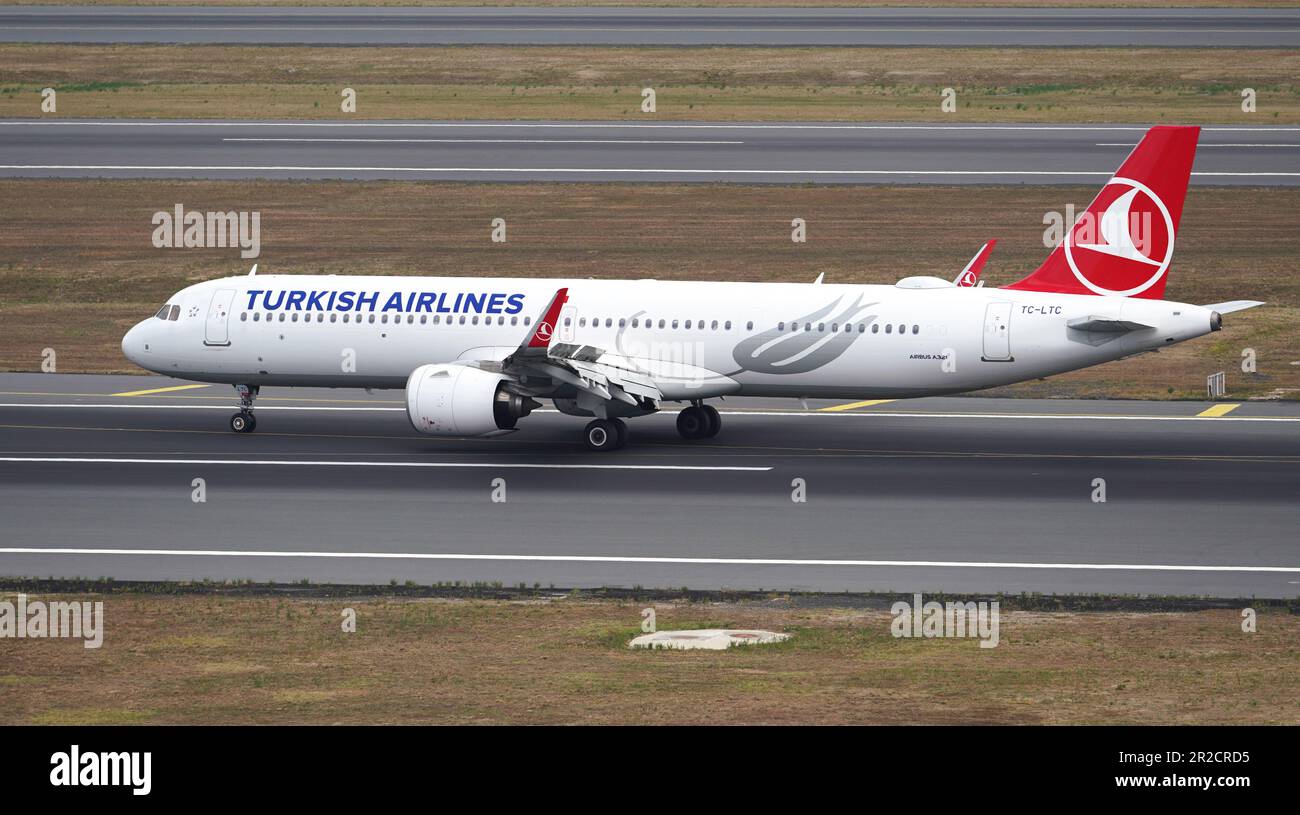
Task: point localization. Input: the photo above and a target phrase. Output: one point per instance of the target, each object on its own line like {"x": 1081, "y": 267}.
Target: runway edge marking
{"x": 951, "y": 564}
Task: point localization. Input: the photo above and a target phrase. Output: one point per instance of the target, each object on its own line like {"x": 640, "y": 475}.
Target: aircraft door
{"x": 997, "y": 332}
{"x": 217, "y": 330}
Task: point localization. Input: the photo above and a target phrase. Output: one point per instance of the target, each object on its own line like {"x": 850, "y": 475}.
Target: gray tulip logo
{"x": 800, "y": 348}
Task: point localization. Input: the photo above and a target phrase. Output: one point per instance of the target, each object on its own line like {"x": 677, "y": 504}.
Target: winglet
{"x": 970, "y": 276}
{"x": 544, "y": 329}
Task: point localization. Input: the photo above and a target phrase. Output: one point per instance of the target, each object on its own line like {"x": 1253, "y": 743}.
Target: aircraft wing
{"x": 606, "y": 376}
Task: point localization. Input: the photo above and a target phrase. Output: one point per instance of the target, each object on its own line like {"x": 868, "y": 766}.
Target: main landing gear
{"x": 244, "y": 421}
{"x": 605, "y": 434}
{"x": 699, "y": 421}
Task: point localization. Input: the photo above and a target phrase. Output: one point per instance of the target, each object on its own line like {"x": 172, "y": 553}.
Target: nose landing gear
{"x": 244, "y": 421}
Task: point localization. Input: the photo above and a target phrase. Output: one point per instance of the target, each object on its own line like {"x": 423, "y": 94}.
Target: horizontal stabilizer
{"x": 1106, "y": 324}
{"x": 1234, "y": 305}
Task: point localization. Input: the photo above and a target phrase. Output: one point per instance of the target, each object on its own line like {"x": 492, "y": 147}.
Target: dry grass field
{"x": 77, "y": 267}
{"x": 207, "y": 659}
{"x": 1149, "y": 86}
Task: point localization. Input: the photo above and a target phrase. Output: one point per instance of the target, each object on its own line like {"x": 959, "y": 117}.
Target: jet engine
{"x": 456, "y": 400}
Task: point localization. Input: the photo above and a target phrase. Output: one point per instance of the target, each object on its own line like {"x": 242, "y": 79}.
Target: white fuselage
{"x": 700, "y": 339}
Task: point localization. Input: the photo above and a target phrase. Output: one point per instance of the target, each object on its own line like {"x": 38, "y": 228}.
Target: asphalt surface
{"x": 1235, "y": 28}
{"x": 842, "y": 153}
{"x": 954, "y": 494}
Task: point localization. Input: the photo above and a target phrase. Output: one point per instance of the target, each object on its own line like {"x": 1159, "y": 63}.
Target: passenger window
{"x": 661, "y": 323}
{"x": 582, "y": 322}
{"x": 514, "y": 321}
{"x": 821, "y": 327}
{"x": 875, "y": 328}
{"x": 622, "y": 322}
{"x": 916, "y": 329}
{"x": 749, "y": 326}
{"x": 862, "y": 327}
{"x": 688, "y": 324}
{"x": 636, "y": 323}
{"x": 714, "y": 327}
{"x": 257, "y": 315}
{"x": 902, "y": 329}
{"x": 475, "y": 320}
{"x": 282, "y": 316}
{"x": 243, "y": 316}
{"x": 727, "y": 325}
{"x": 527, "y": 320}
{"x": 674, "y": 323}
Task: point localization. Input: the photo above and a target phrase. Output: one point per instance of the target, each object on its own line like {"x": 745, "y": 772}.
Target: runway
{"x": 772, "y": 152}
{"x": 953, "y": 494}
{"x": 1181, "y": 27}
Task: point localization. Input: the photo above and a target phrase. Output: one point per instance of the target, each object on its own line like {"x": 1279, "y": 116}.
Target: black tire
{"x": 715, "y": 421}
{"x": 601, "y": 436}
{"x": 621, "y": 427}
{"x": 692, "y": 423}
{"x": 242, "y": 422}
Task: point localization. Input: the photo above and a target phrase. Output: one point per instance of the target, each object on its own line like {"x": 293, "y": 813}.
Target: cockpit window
{"x": 176, "y": 313}
{"x": 162, "y": 312}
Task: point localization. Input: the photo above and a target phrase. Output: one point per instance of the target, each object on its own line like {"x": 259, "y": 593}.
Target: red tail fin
{"x": 1123, "y": 243}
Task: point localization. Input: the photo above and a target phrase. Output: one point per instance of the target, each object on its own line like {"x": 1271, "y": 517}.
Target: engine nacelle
{"x": 456, "y": 400}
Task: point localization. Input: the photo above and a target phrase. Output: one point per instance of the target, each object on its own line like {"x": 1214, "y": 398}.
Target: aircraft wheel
{"x": 621, "y": 427}
{"x": 243, "y": 422}
{"x": 601, "y": 435}
{"x": 715, "y": 421}
{"x": 693, "y": 423}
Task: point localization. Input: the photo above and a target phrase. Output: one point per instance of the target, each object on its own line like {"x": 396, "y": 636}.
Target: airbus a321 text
{"x": 476, "y": 355}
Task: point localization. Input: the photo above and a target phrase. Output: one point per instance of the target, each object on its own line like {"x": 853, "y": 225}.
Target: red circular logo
{"x": 1124, "y": 243}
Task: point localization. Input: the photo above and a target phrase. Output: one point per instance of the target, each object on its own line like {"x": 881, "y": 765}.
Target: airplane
{"x": 477, "y": 355}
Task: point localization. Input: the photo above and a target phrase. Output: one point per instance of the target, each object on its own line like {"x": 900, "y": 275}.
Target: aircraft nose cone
{"x": 133, "y": 344}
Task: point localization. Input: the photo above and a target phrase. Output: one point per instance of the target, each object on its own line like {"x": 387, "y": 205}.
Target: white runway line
{"x": 587, "y": 170}
{"x": 478, "y": 465}
{"x": 480, "y": 141}
{"x": 637, "y": 125}
{"x": 691, "y": 561}
{"x": 877, "y": 414}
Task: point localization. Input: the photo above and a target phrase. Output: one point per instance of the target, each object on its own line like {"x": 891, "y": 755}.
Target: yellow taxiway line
{"x": 159, "y": 390}
{"x": 855, "y": 405}
{"x": 1217, "y": 410}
